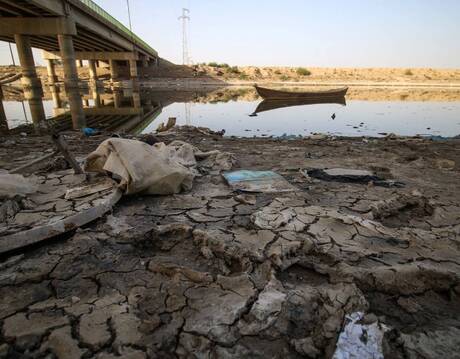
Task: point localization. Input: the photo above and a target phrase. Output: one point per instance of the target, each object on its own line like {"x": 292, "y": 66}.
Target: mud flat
{"x": 214, "y": 273}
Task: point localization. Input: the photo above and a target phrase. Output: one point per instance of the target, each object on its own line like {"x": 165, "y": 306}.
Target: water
{"x": 365, "y": 114}
{"x": 357, "y": 118}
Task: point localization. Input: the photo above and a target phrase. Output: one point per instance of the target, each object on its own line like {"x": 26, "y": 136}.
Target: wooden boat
{"x": 266, "y": 93}
{"x": 273, "y": 104}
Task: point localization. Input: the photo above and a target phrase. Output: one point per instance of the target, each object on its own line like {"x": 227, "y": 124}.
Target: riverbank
{"x": 222, "y": 74}
{"x": 222, "y": 273}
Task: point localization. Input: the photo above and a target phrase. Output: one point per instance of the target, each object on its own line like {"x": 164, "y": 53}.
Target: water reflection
{"x": 270, "y": 104}
{"x": 134, "y": 110}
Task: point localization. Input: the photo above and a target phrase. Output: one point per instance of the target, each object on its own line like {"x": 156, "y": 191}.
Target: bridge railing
{"x": 104, "y": 14}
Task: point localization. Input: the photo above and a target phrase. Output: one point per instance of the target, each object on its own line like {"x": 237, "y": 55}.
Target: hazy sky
{"x": 336, "y": 33}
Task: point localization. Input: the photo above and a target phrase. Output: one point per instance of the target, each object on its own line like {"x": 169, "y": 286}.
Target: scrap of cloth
{"x": 143, "y": 169}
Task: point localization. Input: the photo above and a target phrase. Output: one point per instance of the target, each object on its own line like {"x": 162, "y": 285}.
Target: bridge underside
{"x": 69, "y": 30}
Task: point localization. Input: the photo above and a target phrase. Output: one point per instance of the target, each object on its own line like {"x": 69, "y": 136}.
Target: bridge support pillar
{"x": 37, "y": 111}
{"x": 96, "y": 96}
{"x": 3, "y": 121}
{"x": 26, "y": 58}
{"x": 71, "y": 81}
{"x": 114, "y": 70}
{"x": 92, "y": 71}
{"x": 133, "y": 69}
{"x": 52, "y": 78}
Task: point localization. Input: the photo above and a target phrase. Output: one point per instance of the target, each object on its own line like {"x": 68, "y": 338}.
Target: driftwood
{"x": 63, "y": 148}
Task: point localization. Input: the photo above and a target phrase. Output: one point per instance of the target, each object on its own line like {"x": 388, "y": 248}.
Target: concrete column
{"x": 3, "y": 121}
{"x": 79, "y": 63}
{"x": 68, "y": 61}
{"x": 96, "y": 96}
{"x": 114, "y": 70}
{"x": 137, "y": 99}
{"x": 133, "y": 69}
{"x": 52, "y": 78}
{"x": 117, "y": 98}
{"x": 37, "y": 111}
{"x": 26, "y": 58}
{"x": 57, "y": 103}
{"x": 71, "y": 81}
{"x": 76, "y": 108}
{"x": 145, "y": 61}
{"x": 92, "y": 71}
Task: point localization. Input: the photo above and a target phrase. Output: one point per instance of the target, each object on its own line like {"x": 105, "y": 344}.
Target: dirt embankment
{"x": 223, "y": 73}
{"x": 331, "y": 75}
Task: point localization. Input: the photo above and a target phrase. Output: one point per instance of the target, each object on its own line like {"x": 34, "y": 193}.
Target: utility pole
{"x": 185, "y": 53}
{"x": 11, "y": 52}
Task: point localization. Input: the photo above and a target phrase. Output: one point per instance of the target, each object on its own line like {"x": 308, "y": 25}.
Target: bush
{"x": 284, "y": 78}
{"x": 301, "y": 71}
{"x": 277, "y": 72}
{"x": 234, "y": 70}
{"x": 217, "y": 65}
{"x": 257, "y": 72}
{"x": 243, "y": 76}
{"x": 408, "y": 72}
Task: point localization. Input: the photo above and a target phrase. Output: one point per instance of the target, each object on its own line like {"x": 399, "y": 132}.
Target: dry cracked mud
{"x": 217, "y": 274}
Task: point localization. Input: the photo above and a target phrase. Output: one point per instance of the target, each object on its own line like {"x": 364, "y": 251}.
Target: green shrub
{"x": 284, "y": 78}
{"x": 243, "y": 76}
{"x": 233, "y": 70}
{"x": 301, "y": 71}
{"x": 213, "y": 64}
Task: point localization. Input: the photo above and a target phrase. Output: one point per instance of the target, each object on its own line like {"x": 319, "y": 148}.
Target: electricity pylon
{"x": 185, "y": 50}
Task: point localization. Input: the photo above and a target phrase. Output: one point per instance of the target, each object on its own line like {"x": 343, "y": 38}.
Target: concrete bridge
{"x": 70, "y": 31}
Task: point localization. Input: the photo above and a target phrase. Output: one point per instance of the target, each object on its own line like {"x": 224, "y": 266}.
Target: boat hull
{"x": 266, "y": 93}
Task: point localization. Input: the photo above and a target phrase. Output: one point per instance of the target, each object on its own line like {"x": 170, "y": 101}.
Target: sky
{"x": 330, "y": 33}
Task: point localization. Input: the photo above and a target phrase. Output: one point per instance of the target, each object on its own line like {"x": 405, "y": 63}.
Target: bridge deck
{"x": 97, "y": 30}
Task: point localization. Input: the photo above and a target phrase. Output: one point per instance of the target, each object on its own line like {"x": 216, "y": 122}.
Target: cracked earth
{"x": 217, "y": 274}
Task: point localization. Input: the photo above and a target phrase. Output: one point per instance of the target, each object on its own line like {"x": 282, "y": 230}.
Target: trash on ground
{"x": 351, "y": 176}
{"x": 258, "y": 181}
{"x": 358, "y": 340}
{"x": 142, "y": 168}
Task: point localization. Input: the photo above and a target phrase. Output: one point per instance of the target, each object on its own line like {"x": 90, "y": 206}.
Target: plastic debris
{"x": 258, "y": 181}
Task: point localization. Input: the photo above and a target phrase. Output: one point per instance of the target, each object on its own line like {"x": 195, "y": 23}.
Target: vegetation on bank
{"x": 228, "y": 72}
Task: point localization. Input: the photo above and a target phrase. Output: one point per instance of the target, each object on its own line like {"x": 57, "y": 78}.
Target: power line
{"x": 185, "y": 49}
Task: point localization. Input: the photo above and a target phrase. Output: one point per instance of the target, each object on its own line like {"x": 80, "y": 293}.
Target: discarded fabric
{"x": 142, "y": 168}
